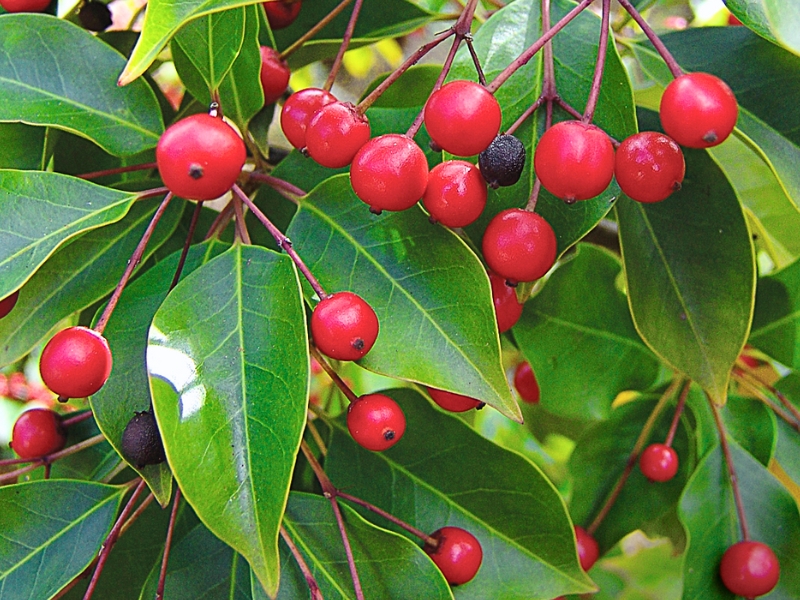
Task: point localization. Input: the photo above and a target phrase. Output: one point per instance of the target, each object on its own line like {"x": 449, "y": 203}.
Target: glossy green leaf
{"x": 51, "y": 531}
{"x": 428, "y": 289}
{"x": 787, "y": 448}
{"x": 389, "y": 566}
{"x": 443, "y": 473}
{"x": 600, "y": 458}
{"x": 21, "y": 146}
{"x": 753, "y": 425}
{"x": 39, "y": 211}
{"x": 708, "y": 513}
{"x": 126, "y": 391}
{"x": 775, "y": 20}
{"x": 228, "y": 364}
{"x": 76, "y": 90}
{"x": 776, "y": 322}
{"x": 578, "y": 335}
{"x": 690, "y": 274}
{"x": 79, "y": 274}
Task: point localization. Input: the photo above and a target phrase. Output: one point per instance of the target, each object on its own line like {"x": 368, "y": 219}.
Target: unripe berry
{"x": 526, "y": 384}
{"x": 298, "y": 110}
{"x": 38, "y": 432}
{"x": 458, "y": 554}
{"x": 376, "y": 422}
{"x": 275, "y": 74}
{"x": 344, "y": 326}
{"x": 456, "y": 193}
{"x": 507, "y": 306}
{"x": 502, "y": 162}
{"x": 282, "y": 13}
{"x": 453, "y": 402}
{"x": 749, "y": 569}
{"x": 335, "y": 134}
{"x": 8, "y": 303}
{"x": 76, "y": 362}
{"x": 698, "y": 110}
{"x": 588, "y": 550}
{"x": 462, "y": 117}
{"x": 519, "y": 245}
{"x": 659, "y": 462}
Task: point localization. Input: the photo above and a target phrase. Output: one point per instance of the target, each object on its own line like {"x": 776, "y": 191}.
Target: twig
{"x": 665, "y": 54}
{"x": 298, "y": 43}
{"x": 673, "y": 427}
{"x": 185, "y": 252}
{"x": 79, "y": 418}
{"x": 333, "y": 374}
{"x": 279, "y": 184}
{"x": 597, "y": 80}
{"x": 313, "y": 586}
{"x": 317, "y": 437}
{"x": 118, "y": 170}
{"x": 348, "y": 35}
{"x": 429, "y": 541}
{"x": 152, "y": 193}
{"x": 241, "y": 228}
{"x": 48, "y": 459}
{"x": 162, "y": 575}
{"x": 774, "y": 391}
{"x": 221, "y": 222}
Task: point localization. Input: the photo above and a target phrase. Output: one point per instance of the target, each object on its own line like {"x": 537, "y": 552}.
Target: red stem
{"x": 48, "y": 459}
{"x": 298, "y": 43}
{"x": 313, "y": 586}
{"x": 429, "y": 541}
{"x": 332, "y": 374}
{"x": 162, "y": 575}
{"x": 185, "y": 252}
{"x": 673, "y": 427}
{"x": 348, "y": 35}
{"x": 79, "y": 418}
{"x": 96, "y": 174}
{"x": 222, "y": 220}
{"x": 241, "y": 228}
{"x": 602, "y": 49}
{"x": 279, "y": 184}
{"x": 665, "y": 54}
{"x": 152, "y": 193}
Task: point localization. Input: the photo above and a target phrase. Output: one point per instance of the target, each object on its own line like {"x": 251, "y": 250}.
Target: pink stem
{"x": 96, "y": 174}
{"x": 162, "y": 575}
{"x": 348, "y": 35}
{"x": 665, "y": 54}
{"x": 602, "y": 49}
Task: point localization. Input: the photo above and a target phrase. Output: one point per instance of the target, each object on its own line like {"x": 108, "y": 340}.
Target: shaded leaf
{"x": 21, "y": 146}
{"x": 773, "y": 20}
{"x": 776, "y": 321}
{"x": 787, "y": 450}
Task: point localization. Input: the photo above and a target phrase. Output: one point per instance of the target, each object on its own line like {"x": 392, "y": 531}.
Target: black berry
{"x": 95, "y": 16}
{"x": 141, "y": 441}
{"x": 502, "y": 162}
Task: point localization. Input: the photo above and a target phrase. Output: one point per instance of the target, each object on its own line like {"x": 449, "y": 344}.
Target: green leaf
{"x": 126, "y": 391}
{"x": 443, "y": 473}
{"x": 52, "y": 530}
{"x": 41, "y": 84}
{"x": 228, "y": 366}
{"x": 690, "y": 273}
{"x": 79, "y": 274}
{"x": 752, "y": 425}
{"x": 787, "y": 449}
{"x": 21, "y": 146}
{"x": 39, "y": 211}
{"x": 776, "y": 322}
{"x": 428, "y": 289}
{"x": 389, "y": 565}
{"x": 708, "y": 513}
{"x": 774, "y": 20}
{"x": 583, "y": 352}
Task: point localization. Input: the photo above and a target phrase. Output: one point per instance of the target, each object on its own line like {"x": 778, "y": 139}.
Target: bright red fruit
{"x": 335, "y": 134}
{"x": 453, "y": 402}
{"x": 462, "y": 118}
{"x": 526, "y": 384}
{"x": 389, "y": 172}
{"x": 282, "y": 13}
{"x": 749, "y": 569}
{"x": 507, "y": 306}
{"x": 275, "y": 74}
{"x": 38, "y": 432}
{"x": 200, "y": 157}
{"x": 649, "y": 166}
{"x": 15, "y": 6}
{"x": 659, "y": 462}
{"x": 344, "y": 326}
{"x": 8, "y": 303}
{"x": 519, "y": 245}
{"x": 456, "y": 193}
{"x": 298, "y": 110}
{"x": 698, "y": 110}
{"x": 574, "y": 160}
{"x": 588, "y": 550}
{"x": 76, "y": 362}
{"x": 376, "y": 422}
{"x": 458, "y": 554}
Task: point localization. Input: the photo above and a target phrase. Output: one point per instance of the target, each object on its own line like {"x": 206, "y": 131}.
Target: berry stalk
{"x": 241, "y": 227}
{"x": 117, "y": 171}
{"x": 348, "y": 35}
{"x": 162, "y": 575}
{"x": 345, "y": 389}
{"x": 602, "y": 49}
{"x": 673, "y": 428}
{"x": 313, "y": 586}
{"x": 288, "y": 190}
{"x": 665, "y": 54}
{"x": 298, "y": 43}
{"x": 428, "y": 540}
{"x": 185, "y": 251}
{"x": 48, "y": 459}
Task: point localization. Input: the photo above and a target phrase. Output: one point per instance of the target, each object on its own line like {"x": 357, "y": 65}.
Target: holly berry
{"x": 456, "y": 193}
{"x": 200, "y": 157}
{"x": 698, "y": 110}
{"x": 502, "y": 162}
{"x": 526, "y": 384}
{"x": 462, "y": 117}
{"x": 519, "y": 245}
{"x": 76, "y": 362}
{"x": 453, "y": 402}
{"x": 748, "y": 359}
{"x": 15, "y": 6}
{"x": 38, "y": 432}
{"x": 507, "y": 306}
{"x": 141, "y": 443}
{"x": 458, "y": 554}
{"x": 389, "y": 172}
{"x": 95, "y": 16}
{"x": 275, "y": 74}
{"x": 282, "y": 13}
{"x": 344, "y": 326}
{"x": 376, "y": 422}
{"x": 298, "y": 110}
{"x": 8, "y": 303}
{"x": 335, "y": 134}
{"x": 574, "y": 160}
{"x": 649, "y": 166}
{"x": 659, "y": 462}
{"x": 749, "y": 569}
{"x": 588, "y": 550}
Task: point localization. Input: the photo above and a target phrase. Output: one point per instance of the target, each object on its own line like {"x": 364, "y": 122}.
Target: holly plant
{"x": 399, "y": 299}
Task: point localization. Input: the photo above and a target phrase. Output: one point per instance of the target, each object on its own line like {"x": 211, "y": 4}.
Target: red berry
{"x": 734, "y": 20}
{"x": 507, "y": 306}
{"x": 335, "y": 134}
{"x": 275, "y": 74}
{"x": 200, "y": 157}
{"x": 453, "y": 402}
{"x": 462, "y": 118}
{"x": 749, "y": 569}
{"x": 659, "y": 462}
{"x": 76, "y": 362}
{"x": 38, "y": 432}
{"x": 574, "y": 160}
{"x": 458, "y": 554}
{"x": 519, "y": 245}
{"x": 8, "y": 303}
{"x": 649, "y": 166}
{"x": 15, "y": 6}
{"x": 588, "y": 550}
{"x": 344, "y": 326}
{"x": 456, "y": 193}
{"x": 376, "y": 422}
{"x": 698, "y": 110}
{"x": 389, "y": 172}
{"x": 298, "y": 110}
{"x": 282, "y": 13}
{"x": 526, "y": 384}
{"x": 748, "y": 359}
